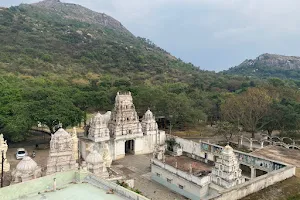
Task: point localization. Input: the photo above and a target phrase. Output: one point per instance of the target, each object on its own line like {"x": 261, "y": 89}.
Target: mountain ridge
{"x": 51, "y": 37}
{"x": 269, "y": 65}
{"x": 78, "y": 12}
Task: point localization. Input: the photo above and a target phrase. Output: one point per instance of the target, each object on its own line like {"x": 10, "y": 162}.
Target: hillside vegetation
{"x": 269, "y": 65}
{"x": 59, "y": 61}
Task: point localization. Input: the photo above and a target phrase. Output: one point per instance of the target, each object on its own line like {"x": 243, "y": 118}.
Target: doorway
{"x": 129, "y": 147}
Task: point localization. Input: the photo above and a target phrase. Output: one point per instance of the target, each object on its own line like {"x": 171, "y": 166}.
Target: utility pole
{"x": 2, "y": 169}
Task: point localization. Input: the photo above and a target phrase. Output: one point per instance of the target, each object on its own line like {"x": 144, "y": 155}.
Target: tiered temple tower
{"x": 124, "y": 119}
{"x": 227, "y": 172}
{"x": 98, "y": 131}
{"x": 149, "y": 125}
{"x": 61, "y": 156}
{"x": 3, "y": 147}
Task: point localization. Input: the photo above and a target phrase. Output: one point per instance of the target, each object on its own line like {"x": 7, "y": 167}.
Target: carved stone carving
{"x": 75, "y": 143}
{"x": 95, "y": 164}
{"x": 124, "y": 119}
{"x": 149, "y": 125}
{"x": 4, "y": 147}
{"x": 26, "y": 169}
{"x": 61, "y": 156}
{"x": 227, "y": 172}
{"x": 107, "y": 159}
{"x": 98, "y": 131}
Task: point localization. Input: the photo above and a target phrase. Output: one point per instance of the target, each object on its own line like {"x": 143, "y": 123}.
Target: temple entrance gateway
{"x": 129, "y": 147}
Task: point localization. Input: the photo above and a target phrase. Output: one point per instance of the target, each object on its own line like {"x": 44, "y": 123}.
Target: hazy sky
{"x": 212, "y": 34}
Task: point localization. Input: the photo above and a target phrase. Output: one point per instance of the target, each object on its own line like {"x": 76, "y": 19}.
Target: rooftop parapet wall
{"x": 38, "y": 185}
{"x": 201, "y": 181}
{"x": 103, "y": 184}
{"x": 256, "y": 184}
{"x": 200, "y": 148}
{"x": 44, "y": 184}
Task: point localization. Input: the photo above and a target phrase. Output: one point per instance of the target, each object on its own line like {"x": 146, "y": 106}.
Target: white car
{"x": 21, "y": 152}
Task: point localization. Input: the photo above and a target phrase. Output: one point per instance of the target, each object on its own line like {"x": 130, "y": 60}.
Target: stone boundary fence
{"x": 285, "y": 142}
{"x": 256, "y": 184}
{"x": 103, "y": 184}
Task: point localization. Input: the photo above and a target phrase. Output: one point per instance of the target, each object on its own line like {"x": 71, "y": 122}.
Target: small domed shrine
{"x": 26, "y": 169}
{"x": 95, "y": 164}
{"x": 227, "y": 172}
{"x": 61, "y": 156}
{"x": 149, "y": 125}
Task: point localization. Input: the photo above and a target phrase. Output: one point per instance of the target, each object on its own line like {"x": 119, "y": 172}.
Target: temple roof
{"x": 26, "y": 164}
{"x": 227, "y": 150}
{"x": 148, "y": 115}
{"x": 61, "y": 132}
{"x": 94, "y": 157}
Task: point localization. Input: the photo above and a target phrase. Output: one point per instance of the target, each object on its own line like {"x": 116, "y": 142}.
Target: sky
{"x": 212, "y": 34}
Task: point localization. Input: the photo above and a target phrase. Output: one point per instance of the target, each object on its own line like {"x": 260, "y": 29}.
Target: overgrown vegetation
{"x": 57, "y": 69}
{"x": 125, "y": 185}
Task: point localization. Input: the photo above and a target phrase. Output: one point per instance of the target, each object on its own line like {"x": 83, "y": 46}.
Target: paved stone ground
{"x": 137, "y": 167}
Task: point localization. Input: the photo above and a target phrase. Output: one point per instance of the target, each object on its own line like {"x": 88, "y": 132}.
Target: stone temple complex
{"x": 121, "y": 131}
{"x": 61, "y": 156}
{"x": 196, "y": 170}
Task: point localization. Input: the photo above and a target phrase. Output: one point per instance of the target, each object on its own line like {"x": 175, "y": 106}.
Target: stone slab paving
{"x": 140, "y": 166}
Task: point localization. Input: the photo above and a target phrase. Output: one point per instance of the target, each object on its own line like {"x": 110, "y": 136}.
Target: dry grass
{"x": 201, "y": 131}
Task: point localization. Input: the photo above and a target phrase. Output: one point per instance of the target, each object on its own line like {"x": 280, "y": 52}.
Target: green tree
{"x": 227, "y": 130}
{"x": 247, "y": 109}
{"x": 51, "y": 108}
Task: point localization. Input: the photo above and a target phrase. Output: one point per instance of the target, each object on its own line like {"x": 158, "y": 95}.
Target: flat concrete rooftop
{"x": 75, "y": 192}
{"x": 289, "y": 156}
{"x": 184, "y": 162}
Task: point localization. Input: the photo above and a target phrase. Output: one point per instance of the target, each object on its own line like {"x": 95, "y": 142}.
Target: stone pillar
{"x": 294, "y": 144}
{"x": 191, "y": 168}
{"x": 253, "y": 172}
{"x": 251, "y": 144}
{"x": 241, "y": 140}
{"x": 75, "y": 143}
{"x": 3, "y": 147}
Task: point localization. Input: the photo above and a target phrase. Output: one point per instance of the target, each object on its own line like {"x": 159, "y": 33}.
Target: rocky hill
{"x": 51, "y": 38}
{"x": 78, "y": 13}
{"x": 269, "y": 65}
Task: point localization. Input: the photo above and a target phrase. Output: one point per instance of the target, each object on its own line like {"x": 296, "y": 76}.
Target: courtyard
{"x": 137, "y": 167}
